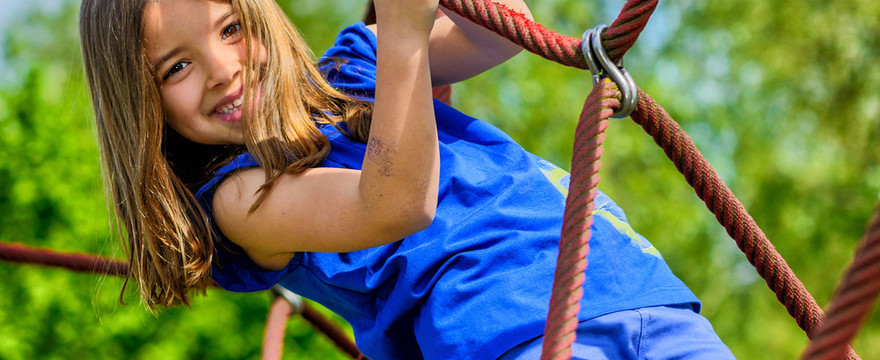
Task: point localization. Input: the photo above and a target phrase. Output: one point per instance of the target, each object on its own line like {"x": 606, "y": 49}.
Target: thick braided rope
{"x": 855, "y": 296}
{"x": 77, "y": 262}
{"x": 20, "y": 253}
{"x": 534, "y": 37}
{"x": 574, "y": 245}
{"x": 333, "y": 332}
{"x": 276, "y": 322}
{"x": 617, "y": 39}
{"x": 729, "y": 212}
{"x": 568, "y": 280}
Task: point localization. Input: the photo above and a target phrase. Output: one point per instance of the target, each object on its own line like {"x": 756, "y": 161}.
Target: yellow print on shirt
{"x": 625, "y": 228}
{"x": 560, "y": 179}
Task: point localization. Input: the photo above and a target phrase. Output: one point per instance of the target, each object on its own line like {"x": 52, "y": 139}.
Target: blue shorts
{"x": 663, "y": 332}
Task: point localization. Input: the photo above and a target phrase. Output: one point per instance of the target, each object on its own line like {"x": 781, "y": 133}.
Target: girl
{"x": 231, "y": 157}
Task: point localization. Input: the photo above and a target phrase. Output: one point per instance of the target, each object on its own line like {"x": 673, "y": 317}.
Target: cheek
{"x": 181, "y": 105}
{"x": 181, "y": 101}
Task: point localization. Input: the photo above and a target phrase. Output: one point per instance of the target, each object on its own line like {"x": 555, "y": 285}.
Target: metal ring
{"x": 296, "y": 302}
{"x": 592, "y": 63}
{"x": 601, "y": 66}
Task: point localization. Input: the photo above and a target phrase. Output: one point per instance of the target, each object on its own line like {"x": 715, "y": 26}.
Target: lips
{"x": 228, "y": 102}
{"x": 229, "y": 108}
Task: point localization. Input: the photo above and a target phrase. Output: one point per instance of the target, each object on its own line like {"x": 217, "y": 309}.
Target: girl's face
{"x": 197, "y": 50}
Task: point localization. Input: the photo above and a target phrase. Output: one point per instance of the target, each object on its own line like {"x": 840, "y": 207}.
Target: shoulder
{"x": 232, "y": 203}
{"x": 226, "y": 195}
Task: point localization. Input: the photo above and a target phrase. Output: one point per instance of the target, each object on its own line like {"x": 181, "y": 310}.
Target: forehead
{"x": 169, "y": 22}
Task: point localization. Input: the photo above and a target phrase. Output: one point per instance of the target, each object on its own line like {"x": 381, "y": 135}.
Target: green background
{"x": 783, "y": 98}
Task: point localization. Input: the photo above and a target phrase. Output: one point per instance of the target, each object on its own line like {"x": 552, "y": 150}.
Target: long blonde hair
{"x": 168, "y": 237}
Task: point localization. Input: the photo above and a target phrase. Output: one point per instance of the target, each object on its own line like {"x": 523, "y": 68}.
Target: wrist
{"x": 397, "y": 40}
{"x": 403, "y": 30}
{"x": 405, "y": 18}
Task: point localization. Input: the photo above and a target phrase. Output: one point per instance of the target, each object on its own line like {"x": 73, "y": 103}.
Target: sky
{"x": 11, "y": 9}
{"x": 14, "y": 8}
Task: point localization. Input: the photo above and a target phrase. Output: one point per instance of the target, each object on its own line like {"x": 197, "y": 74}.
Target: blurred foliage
{"x": 782, "y": 97}
{"x": 51, "y": 196}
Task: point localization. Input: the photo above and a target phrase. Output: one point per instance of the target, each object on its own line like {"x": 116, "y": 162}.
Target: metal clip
{"x": 601, "y": 66}
{"x": 296, "y": 302}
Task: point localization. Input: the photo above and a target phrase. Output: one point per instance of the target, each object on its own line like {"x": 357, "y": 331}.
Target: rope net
{"x": 85, "y": 263}
{"x": 730, "y": 213}
{"x": 857, "y": 293}
{"x": 847, "y": 311}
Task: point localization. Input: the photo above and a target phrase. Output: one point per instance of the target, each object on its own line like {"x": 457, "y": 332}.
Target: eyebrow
{"x": 178, "y": 49}
{"x": 223, "y": 18}
{"x": 165, "y": 58}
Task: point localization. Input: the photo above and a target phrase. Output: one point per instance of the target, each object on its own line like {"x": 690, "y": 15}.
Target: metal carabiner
{"x": 601, "y": 66}
{"x": 296, "y": 302}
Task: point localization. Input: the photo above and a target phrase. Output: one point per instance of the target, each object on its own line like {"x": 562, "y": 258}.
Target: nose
{"x": 224, "y": 64}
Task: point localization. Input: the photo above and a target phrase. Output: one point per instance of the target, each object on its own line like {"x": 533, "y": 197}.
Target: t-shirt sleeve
{"x": 350, "y": 64}
{"x": 231, "y": 268}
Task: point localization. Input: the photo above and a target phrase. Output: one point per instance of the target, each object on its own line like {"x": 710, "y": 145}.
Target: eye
{"x": 177, "y": 67}
{"x": 230, "y": 30}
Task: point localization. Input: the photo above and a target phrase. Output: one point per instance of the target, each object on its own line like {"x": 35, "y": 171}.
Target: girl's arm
{"x": 337, "y": 210}
{"x": 461, "y": 49}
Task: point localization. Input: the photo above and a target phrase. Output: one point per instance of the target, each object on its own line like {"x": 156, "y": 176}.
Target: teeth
{"x": 230, "y": 108}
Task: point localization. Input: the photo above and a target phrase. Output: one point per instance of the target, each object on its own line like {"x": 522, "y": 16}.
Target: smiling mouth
{"x": 230, "y": 108}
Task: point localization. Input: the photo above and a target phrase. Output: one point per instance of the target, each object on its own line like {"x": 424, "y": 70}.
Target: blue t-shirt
{"x": 477, "y": 281}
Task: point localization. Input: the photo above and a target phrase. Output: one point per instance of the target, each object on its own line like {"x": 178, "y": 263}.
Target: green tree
{"x": 51, "y": 196}
{"x": 783, "y": 100}
{"x": 781, "y": 97}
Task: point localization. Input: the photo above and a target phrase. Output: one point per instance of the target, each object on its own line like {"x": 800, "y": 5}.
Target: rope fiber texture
{"x": 568, "y": 280}
{"x": 620, "y": 37}
{"x": 276, "y": 322}
{"x": 855, "y": 296}
{"x": 565, "y": 50}
{"x": 679, "y": 147}
{"x": 534, "y": 37}
{"x": 20, "y": 253}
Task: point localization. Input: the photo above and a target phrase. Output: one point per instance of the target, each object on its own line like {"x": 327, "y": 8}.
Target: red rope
{"x": 276, "y": 323}
{"x": 620, "y": 36}
{"x": 443, "y": 93}
{"x": 856, "y": 295}
{"x": 625, "y": 30}
{"x": 678, "y": 146}
{"x": 20, "y": 253}
{"x": 72, "y": 261}
{"x": 562, "y": 320}
{"x": 530, "y": 35}
{"x": 333, "y": 332}
{"x": 730, "y": 213}
{"x": 574, "y": 244}
{"x": 534, "y": 37}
